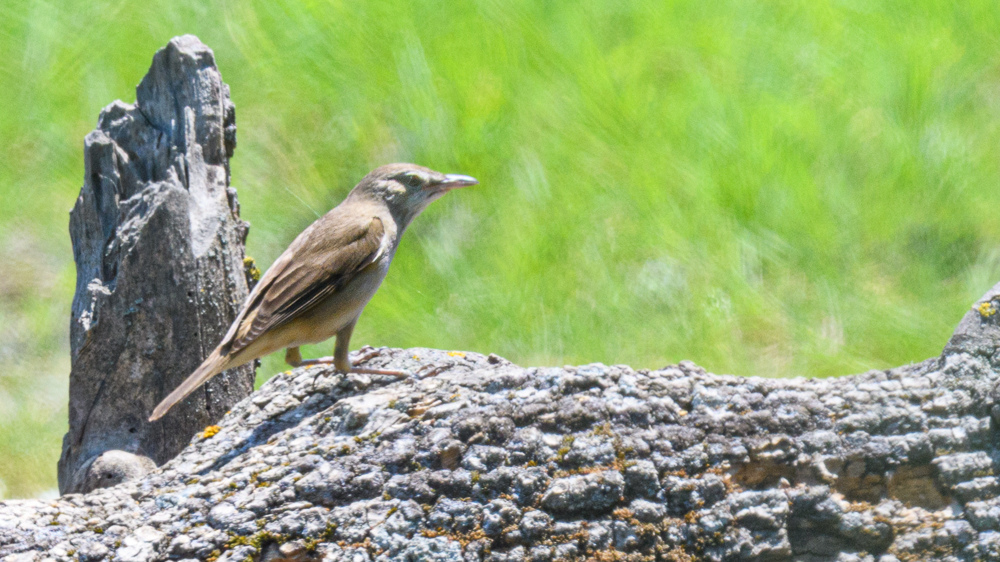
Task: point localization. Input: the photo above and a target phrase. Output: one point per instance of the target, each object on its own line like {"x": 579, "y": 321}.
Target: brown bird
{"x": 318, "y": 287}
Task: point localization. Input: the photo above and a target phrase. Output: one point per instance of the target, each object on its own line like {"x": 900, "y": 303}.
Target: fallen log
{"x": 486, "y": 460}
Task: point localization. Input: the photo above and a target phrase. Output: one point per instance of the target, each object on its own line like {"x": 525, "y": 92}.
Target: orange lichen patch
{"x": 726, "y": 473}
{"x": 363, "y": 545}
{"x": 455, "y": 354}
{"x": 610, "y": 555}
{"x": 582, "y": 470}
{"x": 210, "y": 431}
{"x": 678, "y": 554}
{"x": 462, "y": 538}
{"x": 622, "y": 513}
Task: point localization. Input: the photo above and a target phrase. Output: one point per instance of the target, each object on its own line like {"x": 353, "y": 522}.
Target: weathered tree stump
{"x": 159, "y": 249}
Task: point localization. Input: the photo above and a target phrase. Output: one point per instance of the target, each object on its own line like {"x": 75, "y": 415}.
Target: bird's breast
{"x": 344, "y": 305}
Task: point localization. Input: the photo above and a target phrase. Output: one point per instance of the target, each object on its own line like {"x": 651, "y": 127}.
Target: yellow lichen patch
{"x": 456, "y": 354}
{"x": 210, "y": 431}
{"x": 251, "y": 268}
{"x": 987, "y": 309}
{"x": 416, "y": 357}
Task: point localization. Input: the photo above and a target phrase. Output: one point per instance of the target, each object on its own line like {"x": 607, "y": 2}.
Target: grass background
{"x": 766, "y": 188}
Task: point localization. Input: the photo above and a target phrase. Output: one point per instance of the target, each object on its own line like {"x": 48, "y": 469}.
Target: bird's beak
{"x": 454, "y": 181}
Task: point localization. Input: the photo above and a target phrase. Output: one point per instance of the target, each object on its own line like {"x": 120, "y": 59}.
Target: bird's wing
{"x": 312, "y": 268}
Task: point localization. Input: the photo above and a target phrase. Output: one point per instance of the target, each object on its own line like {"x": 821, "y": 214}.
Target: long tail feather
{"x": 213, "y": 365}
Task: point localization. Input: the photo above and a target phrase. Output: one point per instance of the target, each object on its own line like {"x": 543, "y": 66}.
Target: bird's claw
{"x": 428, "y": 371}
{"x": 388, "y": 372}
{"x": 365, "y": 353}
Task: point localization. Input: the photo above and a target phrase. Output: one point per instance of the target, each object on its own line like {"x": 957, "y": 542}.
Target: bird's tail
{"x": 213, "y": 365}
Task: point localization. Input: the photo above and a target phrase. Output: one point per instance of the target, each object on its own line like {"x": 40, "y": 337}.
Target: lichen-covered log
{"x": 158, "y": 244}
{"x": 486, "y": 460}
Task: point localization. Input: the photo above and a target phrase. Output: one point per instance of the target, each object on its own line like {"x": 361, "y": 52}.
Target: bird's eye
{"x": 412, "y": 181}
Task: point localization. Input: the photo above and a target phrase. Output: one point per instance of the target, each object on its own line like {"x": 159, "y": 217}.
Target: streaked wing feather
{"x": 317, "y": 271}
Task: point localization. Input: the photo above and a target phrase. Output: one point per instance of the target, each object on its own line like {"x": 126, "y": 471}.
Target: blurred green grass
{"x": 766, "y": 188}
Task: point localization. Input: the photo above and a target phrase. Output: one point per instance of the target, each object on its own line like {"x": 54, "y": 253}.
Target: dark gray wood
{"x": 159, "y": 249}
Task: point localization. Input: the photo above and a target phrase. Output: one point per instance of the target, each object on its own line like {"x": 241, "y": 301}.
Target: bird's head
{"x": 407, "y": 189}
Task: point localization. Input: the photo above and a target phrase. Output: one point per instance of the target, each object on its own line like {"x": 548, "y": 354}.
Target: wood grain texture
{"x": 159, "y": 249}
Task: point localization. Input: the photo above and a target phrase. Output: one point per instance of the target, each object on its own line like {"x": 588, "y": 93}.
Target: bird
{"x": 319, "y": 285}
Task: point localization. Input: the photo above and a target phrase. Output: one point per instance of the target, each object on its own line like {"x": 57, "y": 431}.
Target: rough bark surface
{"x": 486, "y": 460}
{"x": 158, "y": 245}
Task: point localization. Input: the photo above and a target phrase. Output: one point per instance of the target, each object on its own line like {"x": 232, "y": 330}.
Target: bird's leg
{"x": 316, "y": 361}
{"x": 340, "y": 359}
{"x": 293, "y": 357}
{"x": 343, "y": 363}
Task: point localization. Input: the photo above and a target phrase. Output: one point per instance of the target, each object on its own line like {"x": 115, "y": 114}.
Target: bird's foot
{"x": 317, "y": 361}
{"x": 430, "y": 370}
{"x": 368, "y": 352}
{"x": 388, "y": 372}
{"x": 365, "y": 353}
{"x": 294, "y": 359}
